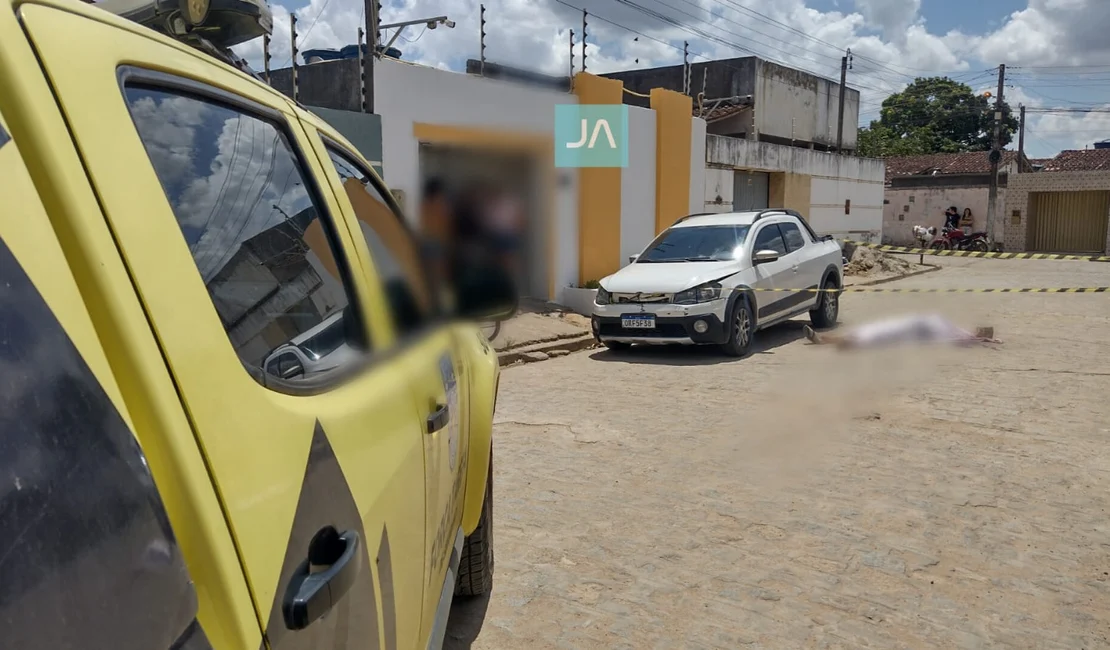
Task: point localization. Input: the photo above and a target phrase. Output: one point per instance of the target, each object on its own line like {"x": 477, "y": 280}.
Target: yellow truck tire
{"x": 476, "y": 565}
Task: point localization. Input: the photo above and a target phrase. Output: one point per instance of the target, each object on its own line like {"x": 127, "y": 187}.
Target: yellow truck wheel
{"x": 476, "y": 565}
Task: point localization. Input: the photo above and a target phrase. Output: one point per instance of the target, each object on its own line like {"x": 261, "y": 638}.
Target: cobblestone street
{"x": 676, "y": 498}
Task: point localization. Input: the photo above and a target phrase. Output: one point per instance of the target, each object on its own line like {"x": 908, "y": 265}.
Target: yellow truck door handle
{"x": 439, "y": 419}
{"x": 310, "y": 593}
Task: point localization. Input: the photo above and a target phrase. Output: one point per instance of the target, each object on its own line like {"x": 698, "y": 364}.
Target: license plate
{"x": 638, "y": 322}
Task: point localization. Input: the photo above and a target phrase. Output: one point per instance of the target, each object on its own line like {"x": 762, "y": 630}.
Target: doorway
{"x": 464, "y": 169}
{"x": 1068, "y": 222}
{"x": 750, "y": 191}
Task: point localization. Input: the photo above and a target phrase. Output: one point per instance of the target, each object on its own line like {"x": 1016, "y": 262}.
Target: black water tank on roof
{"x": 1105, "y": 144}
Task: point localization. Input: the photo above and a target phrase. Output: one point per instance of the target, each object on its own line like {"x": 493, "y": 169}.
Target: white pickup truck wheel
{"x": 826, "y": 312}
{"x": 741, "y": 329}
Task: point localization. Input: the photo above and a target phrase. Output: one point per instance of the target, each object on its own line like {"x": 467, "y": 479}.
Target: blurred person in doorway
{"x": 504, "y": 225}
{"x": 470, "y": 243}
{"x": 917, "y": 328}
{"x": 435, "y": 218}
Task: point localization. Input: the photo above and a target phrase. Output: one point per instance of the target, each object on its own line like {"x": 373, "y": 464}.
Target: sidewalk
{"x": 539, "y": 332}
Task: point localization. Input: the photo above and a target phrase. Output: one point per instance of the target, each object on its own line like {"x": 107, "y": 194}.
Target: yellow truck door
{"x": 236, "y": 250}
{"x": 88, "y": 558}
{"x": 426, "y": 345}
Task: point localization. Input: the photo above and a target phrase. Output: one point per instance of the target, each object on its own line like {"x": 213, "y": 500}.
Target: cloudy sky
{"x": 1056, "y": 51}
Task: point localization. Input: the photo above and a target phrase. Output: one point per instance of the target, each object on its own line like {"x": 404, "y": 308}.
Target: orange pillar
{"x": 599, "y": 193}
{"x": 673, "y": 123}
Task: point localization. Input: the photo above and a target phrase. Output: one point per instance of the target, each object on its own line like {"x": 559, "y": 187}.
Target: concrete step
{"x": 546, "y": 350}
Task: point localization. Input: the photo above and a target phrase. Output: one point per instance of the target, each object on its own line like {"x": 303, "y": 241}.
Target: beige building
{"x": 920, "y": 188}
{"x": 1063, "y": 209}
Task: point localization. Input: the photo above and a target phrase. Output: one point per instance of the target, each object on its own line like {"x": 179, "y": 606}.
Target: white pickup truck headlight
{"x": 603, "y": 297}
{"x": 707, "y": 292}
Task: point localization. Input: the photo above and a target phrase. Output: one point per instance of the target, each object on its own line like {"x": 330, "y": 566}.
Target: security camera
{"x": 450, "y": 24}
{"x": 432, "y": 24}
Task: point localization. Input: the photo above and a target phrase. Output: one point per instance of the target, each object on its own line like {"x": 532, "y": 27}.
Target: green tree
{"x": 934, "y": 115}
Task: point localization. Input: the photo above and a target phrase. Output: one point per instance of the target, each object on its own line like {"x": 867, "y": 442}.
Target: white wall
{"x": 833, "y": 179}
{"x": 791, "y": 104}
{"x": 638, "y": 184}
{"x": 566, "y": 232}
{"x": 697, "y": 165}
{"x": 719, "y": 188}
{"x": 827, "y": 198}
{"x": 406, "y": 93}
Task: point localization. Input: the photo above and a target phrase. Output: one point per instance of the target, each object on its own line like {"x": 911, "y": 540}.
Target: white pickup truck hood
{"x": 667, "y": 277}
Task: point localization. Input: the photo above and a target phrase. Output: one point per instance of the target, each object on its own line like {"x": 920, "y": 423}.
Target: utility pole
{"x": 845, "y": 62}
{"x": 361, "y": 71}
{"x": 266, "y": 57}
{"x": 482, "y": 40}
{"x": 995, "y": 155}
{"x": 584, "y": 16}
{"x": 685, "y": 67}
{"x": 1021, "y": 138}
{"x": 293, "y": 46}
{"x": 372, "y": 22}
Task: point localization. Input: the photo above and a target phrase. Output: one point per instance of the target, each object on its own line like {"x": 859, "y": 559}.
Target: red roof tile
{"x": 1079, "y": 161}
{"x": 975, "y": 162}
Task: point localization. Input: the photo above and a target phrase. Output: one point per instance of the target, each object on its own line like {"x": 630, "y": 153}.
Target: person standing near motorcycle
{"x": 951, "y": 218}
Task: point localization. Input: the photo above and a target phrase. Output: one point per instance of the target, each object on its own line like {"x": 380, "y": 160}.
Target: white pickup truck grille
{"x": 642, "y": 298}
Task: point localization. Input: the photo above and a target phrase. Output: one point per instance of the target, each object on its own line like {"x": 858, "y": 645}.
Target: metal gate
{"x": 1068, "y": 222}
{"x": 750, "y": 190}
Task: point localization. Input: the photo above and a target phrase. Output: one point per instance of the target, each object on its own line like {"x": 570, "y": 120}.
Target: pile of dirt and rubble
{"x": 864, "y": 261}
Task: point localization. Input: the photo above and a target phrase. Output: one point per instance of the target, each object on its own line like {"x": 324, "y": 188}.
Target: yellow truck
{"x": 170, "y": 478}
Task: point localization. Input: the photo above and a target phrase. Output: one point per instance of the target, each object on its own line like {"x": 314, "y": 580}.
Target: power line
{"x": 308, "y": 31}
{"x": 838, "y": 48}
{"x": 710, "y": 37}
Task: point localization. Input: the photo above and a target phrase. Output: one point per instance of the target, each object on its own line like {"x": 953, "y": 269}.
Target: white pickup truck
{"x": 708, "y": 279}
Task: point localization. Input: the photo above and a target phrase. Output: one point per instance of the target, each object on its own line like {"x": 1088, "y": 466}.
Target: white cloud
{"x": 244, "y": 182}
{"x": 1051, "y": 32}
{"x": 891, "y": 16}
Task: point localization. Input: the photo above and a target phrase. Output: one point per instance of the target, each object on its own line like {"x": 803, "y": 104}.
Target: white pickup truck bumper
{"x": 662, "y": 324}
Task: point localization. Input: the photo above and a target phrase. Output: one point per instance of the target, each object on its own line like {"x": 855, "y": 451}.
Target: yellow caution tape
{"x": 1001, "y": 256}
{"x": 933, "y": 290}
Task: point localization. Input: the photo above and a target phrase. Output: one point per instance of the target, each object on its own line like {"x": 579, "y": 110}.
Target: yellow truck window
{"x": 395, "y": 252}
{"x": 261, "y": 242}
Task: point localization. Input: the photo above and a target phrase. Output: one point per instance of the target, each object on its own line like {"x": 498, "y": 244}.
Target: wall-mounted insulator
{"x": 361, "y": 71}
{"x": 584, "y": 16}
{"x": 685, "y": 68}
{"x": 482, "y": 40}
{"x": 266, "y": 56}
{"x": 293, "y": 46}
{"x": 377, "y": 29}
{"x": 572, "y": 57}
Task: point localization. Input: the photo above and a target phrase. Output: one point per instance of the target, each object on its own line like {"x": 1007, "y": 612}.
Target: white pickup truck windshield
{"x": 719, "y": 243}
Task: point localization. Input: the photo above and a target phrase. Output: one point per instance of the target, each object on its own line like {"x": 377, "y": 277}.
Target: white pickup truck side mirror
{"x": 764, "y": 256}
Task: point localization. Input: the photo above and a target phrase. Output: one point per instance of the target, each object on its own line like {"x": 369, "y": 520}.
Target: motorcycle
{"x": 955, "y": 239}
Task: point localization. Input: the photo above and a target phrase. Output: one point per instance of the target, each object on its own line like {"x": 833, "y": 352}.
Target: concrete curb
{"x": 544, "y": 340}
{"x": 543, "y": 351}
{"x": 932, "y": 267}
